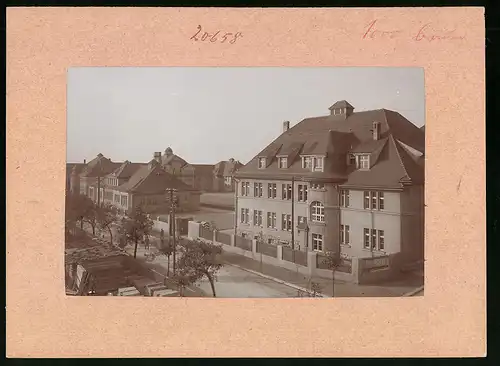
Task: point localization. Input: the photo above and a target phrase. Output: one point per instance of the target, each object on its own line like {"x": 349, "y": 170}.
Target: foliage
{"x": 79, "y": 208}
{"x": 332, "y": 260}
{"x": 199, "y": 259}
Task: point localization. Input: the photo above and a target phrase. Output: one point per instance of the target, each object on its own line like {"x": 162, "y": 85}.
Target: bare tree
{"x": 137, "y": 226}
{"x": 167, "y": 248}
{"x": 108, "y": 217}
{"x": 332, "y": 262}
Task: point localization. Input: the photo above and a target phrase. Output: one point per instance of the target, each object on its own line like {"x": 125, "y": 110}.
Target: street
{"x": 233, "y": 282}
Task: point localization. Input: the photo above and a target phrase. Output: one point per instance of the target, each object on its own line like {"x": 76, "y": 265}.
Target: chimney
{"x": 157, "y": 156}
{"x": 286, "y": 126}
{"x": 376, "y": 130}
{"x": 84, "y": 161}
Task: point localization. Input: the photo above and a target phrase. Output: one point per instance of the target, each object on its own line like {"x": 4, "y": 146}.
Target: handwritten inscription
{"x": 216, "y": 37}
{"x": 427, "y": 32}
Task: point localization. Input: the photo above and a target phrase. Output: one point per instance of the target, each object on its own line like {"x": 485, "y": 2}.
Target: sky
{"x": 211, "y": 114}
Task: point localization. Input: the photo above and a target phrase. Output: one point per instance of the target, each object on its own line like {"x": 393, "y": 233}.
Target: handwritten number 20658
{"x": 216, "y": 37}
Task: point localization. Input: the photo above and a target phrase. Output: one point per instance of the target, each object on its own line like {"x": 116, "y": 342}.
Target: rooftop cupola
{"x": 341, "y": 108}
{"x": 168, "y": 151}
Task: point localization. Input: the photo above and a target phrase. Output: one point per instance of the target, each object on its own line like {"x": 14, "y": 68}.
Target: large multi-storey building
{"x": 349, "y": 182}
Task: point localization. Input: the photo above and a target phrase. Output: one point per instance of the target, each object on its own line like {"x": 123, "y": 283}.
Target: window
{"x": 344, "y": 198}
{"x": 301, "y": 220}
{"x": 257, "y": 189}
{"x": 344, "y": 234}
{"x": 228, "y": 181}
{"x": 364, "y": 162}
{"x": 271, "y": 190}
{"x": 317, "y": 242}
{"x": 270, "y": 241}
{"x": 245, "y": 215}
{"x": 245, "y": 188}
{"x": 366, "y": 238}
{"x": 306, "y": 162}
{"x": 381, "y": 200}
{"x": 373, "y": 199}
{"x": 125, "y": 201}
{"x": 374, "y": 239}
{"x": 282, "y": 163}
{"x": 257, "y": 218}
{"x": 381, "y": 243}
{"x": 302, "y": 193}
{"x": 318, "y": 164}
{"x": 262, "y": 163}
{"x": 271, "y": 220}
{"x": 286, "y": 222}
{"x": 317, "y": 212}
{"x": 91, "y": 192}
{"x": 317, "y": 186}
{"x": 351, "y": 159}
{"x": 117, "y": 199}
{"x": 286, "y": 192}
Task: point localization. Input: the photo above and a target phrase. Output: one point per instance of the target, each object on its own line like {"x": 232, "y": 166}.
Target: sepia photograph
{"x": 251, "y": 182}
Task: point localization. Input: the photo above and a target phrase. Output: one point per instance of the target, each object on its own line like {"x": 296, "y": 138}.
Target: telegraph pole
{"x": 293, "y": 212}
{"x": 172, "y": 222}
{"x": 99, "y": 184}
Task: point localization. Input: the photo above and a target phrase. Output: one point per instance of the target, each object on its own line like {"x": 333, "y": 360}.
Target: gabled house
{"x": 90, "y": 178}
{"x": 177, "y": 166}
{"x": 223, "y": 173}
{"x": 348, "y": 182}
{"x": 148, "y": 185}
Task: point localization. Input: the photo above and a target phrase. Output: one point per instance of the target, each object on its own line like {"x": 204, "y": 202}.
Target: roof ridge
{"x": 394, "y": 141}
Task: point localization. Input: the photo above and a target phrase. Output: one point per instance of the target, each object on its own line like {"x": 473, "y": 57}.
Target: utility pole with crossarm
{"x": 172, "y": 199}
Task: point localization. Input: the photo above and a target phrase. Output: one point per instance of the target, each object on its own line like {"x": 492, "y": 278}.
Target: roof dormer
{"x": 341, "y": 108}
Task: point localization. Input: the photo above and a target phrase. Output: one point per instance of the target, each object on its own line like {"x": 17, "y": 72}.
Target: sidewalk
{"x": 342, "y": 289}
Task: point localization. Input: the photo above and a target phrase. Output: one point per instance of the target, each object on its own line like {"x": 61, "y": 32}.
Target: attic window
{"x": 282, "y": 163}
{"x": 364, "y": 162}
{"x": 262, "y": 163}
{"x": 306, "y": 162}
{"x": 318, "y": 163}
{"x": 351, "y": 159}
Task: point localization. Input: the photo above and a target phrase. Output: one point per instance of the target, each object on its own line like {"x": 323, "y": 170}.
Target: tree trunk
{"x": 93, "y": 229}
{"x": 135, "y": 248}
{"x": 81, "y": 224}
{"x": 168, "y": 266}
{"x": 333, "y": 282}
{"x": 110, "y": 235}
{"x": 212, "y": 284}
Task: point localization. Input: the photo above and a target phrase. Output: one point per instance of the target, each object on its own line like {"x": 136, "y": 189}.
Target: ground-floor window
{"x": 317, "y": 242}
{"x": 244, "y": 215}
{"x": 344, "y": 234}
{"x": 373, "y": 239}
